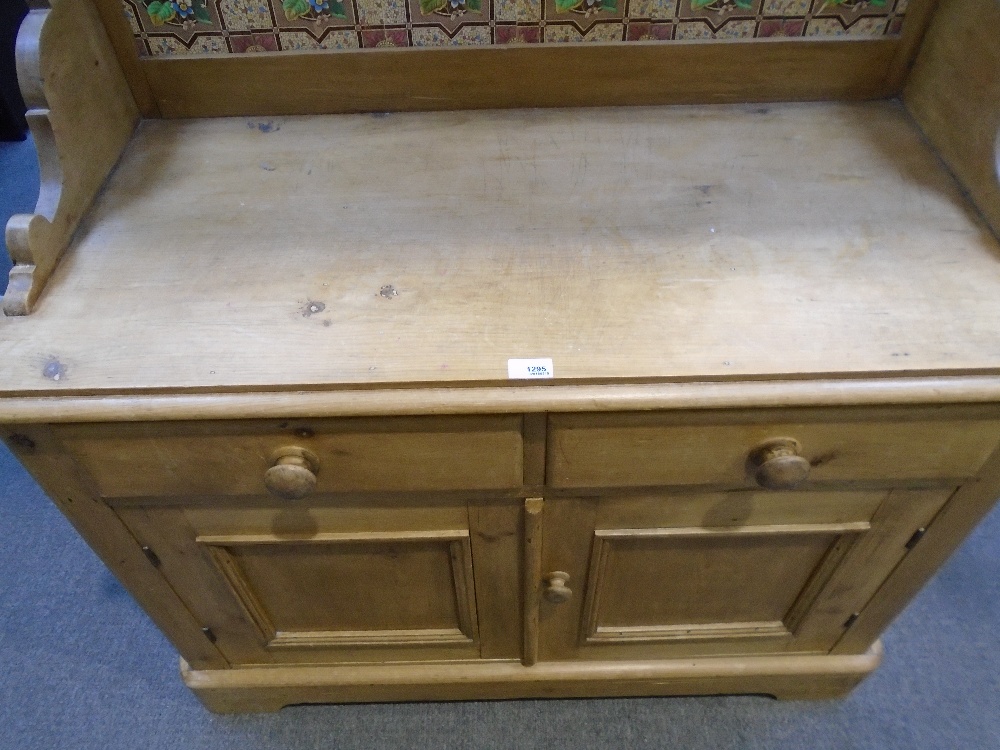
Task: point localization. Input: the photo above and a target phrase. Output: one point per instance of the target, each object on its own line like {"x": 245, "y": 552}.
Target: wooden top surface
{"x": 627, "y": 244}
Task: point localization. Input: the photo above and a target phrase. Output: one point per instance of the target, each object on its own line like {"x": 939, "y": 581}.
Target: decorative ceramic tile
{"x": 522, "y": 11}
{"x": 315, "y": 11}
{"x": 182, "y": 18}
{"x": 779, "y": 27}
{"x": 518, "y": 34}
{"x": 786, "y": 7}
{"x": 253, "y": 42}
{"x": 385, "y": 37}
{"x": 132, "y": 21}
{"x": 850, "y": 11}
{"x": 583, "y": 14}
{"x": 432, "y": 36}
{"x": 560, "y": 33}
{"x": 693, "y": 30}
{"x": 191, "y": 27}
{"x": 649, "y": 32}
{"x": 862, "y": 27}
{"x": 447, "y": 16}
{"x": 203, "y": 45}
{"x": 717, "y": 11}
{"x": 245, "y": 15}
{"x": 331, "y": 40}
{"x": 735, "y": 29}
{"x": 381, "y": 12}
{"x": 652, "y": 8}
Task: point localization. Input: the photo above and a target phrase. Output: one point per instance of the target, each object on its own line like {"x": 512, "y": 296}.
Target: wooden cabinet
{"x": 281, "y": 379}
{"x": 486, "y": 555}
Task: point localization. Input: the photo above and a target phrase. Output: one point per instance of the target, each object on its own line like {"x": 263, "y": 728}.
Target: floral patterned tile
{"x": 245, "y": 15}
{"x": 583, "y": 15}
{"x": 649, "y": 32}
{"x": 718, "y": 11}
{"x": 793, "y": 8}
{"x": 385, "y": 38}
{"x": 522, "y": 11}
{"x": 561, "y": 33}
{"x": 652, "y": 8}
{"x": 515, "y": 34}
{"x": 301, "y": 40}
{"x": 448, "y": 15}
{"x": 863, "y": 27}
{"x": 736, "y": 29}
{"x": 253, "y": 42}
{"x": 193, "y": 27}
{"x": 433, "y": 36}
{"x": 850, "y": 10}
{"x": 202, "y": 45}
{"x": 781, "y": 27}
{"x": 133, "y": 22}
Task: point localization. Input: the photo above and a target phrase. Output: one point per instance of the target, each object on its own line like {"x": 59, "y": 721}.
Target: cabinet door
{"x": 723, "y": 573}
{"x": 350, "y": 582}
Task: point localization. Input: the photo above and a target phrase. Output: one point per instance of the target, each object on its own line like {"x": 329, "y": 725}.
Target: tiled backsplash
{"x": 166, "y": 27}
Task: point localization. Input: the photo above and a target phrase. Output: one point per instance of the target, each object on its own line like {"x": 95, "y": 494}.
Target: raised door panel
{"x": 663, "y": 585}
{"x": 720, "y": 573}
{"x": 396, "y": 589}
{"x": 323, "y": 584}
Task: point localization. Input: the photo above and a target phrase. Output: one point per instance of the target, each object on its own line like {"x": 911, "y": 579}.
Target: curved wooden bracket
{"x": 81, "y": 114}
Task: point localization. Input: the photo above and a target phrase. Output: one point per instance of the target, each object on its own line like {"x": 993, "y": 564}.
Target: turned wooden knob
{"x": 293, "y": 475}
{"x": 777, "y": 465}
{"x": 556, "y": 590}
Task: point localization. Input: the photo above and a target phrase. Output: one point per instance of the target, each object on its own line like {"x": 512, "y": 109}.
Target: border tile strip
{"x": 194, "y": 27}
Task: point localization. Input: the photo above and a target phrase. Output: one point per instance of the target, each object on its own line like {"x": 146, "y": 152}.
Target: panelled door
{"x": 740, "y": 572}
{"x": 350, "y": 581}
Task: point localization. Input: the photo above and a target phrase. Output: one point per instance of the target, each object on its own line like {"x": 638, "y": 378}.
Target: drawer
{"x": 647, "y": 449}
{"x": 344, "y": 455}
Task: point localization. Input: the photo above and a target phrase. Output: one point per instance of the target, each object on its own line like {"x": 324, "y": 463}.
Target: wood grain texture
{"x": 600, "y": 223}
{"x": 870, "y": 562}
{"x": 496, "y": 527}
{"x": 688, "y": 574}
{"x": 530, "y": 76}
{"x": 653, "y": 449}
{"x": 120, "y": 35}
{"x": 953, "y": 93}
{"x": 81, "y": 115}
{"x": 269, "y": 689}
{"x": 765, "y": 394}
{"x": 323, "y": 584}
{"x": 226, "y": 459}
{"x": 531, "y": 568}
{"x": 919, "y": 14}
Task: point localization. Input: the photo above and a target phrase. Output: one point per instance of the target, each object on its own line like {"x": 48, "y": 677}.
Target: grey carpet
{"x": 83, "y": 668}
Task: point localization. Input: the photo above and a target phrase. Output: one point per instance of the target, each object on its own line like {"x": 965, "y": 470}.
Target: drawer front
{"x": 345, "y": 455}
{"x": 659, "y": 449}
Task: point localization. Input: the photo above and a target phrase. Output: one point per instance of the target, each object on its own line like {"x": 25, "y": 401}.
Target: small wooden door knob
{"x": 293, "y": 475}
{"x": 556, "y": 590}
{"x": 777, "y": 465}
